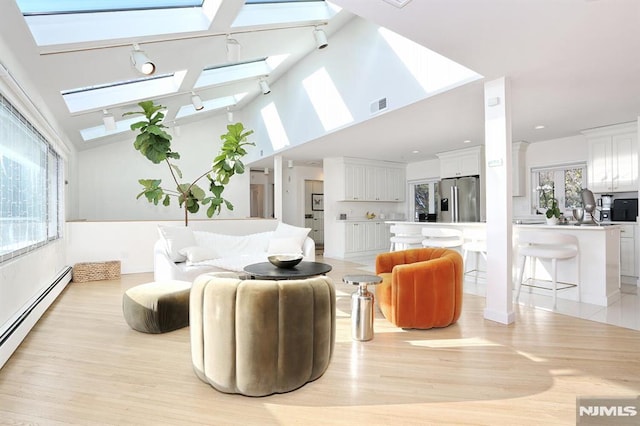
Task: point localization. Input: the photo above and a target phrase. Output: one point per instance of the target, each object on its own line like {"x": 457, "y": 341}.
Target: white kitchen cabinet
{"x": 613, "y": 158}
{"x": 317, "y": 227}
{"x": 628, "y": 250}
{"x": 366, "y": 236}
{"x": 355, "y": 178}
{"x": 462, "y": 162}
{"x": 373, "y": 181}
{"x": 518, "y": 168}
{"x": 356, "y": 237}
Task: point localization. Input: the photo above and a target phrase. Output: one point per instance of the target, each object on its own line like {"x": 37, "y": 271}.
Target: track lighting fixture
{"x": 265, "y": 87}
{"x": 109, "y": 121}
{"x": 141, "y": 62}
{"x": 197, "y": 102}
{"x": 321, "y": 38}
{"x": 290, "y": 164}
{"x": 233, "y": 50}
{"x": 229, "y": 115}
{"x": 266, "y": 170}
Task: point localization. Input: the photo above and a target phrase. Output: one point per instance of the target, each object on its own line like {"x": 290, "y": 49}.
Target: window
{"x": 423, "y": 194}
{"x": 30, "y": 186}
{"x": 564, "y": 183}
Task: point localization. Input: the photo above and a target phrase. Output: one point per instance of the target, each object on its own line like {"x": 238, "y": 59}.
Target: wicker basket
{"x": 96, "y": 271}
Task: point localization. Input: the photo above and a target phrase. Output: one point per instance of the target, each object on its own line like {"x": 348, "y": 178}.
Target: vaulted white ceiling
{"x": 573, "y": 64}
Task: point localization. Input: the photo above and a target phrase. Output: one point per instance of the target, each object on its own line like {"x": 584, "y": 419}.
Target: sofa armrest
{"x": 309, "y": 250}
{"x": 163, "y": 267}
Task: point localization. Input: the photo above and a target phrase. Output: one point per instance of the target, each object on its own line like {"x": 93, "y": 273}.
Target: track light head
{"x": 264, "y": 86}
{"x": 197, "y": 102}
{"x": 233, "y": 50}
{"x": 141, "y": 62}
{"x": 109, "y": 121}
{"x": 321, "y": 38}
{"x": 229, "y": 115}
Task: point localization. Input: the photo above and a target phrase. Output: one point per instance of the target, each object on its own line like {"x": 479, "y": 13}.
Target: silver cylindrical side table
{"x": 362, "y": 306}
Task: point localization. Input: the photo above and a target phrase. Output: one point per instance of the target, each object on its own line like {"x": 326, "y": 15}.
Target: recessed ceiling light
{"x": 466, "y": 141}
{"x": 415, "y": 151}
{"x": 539, "y": 126}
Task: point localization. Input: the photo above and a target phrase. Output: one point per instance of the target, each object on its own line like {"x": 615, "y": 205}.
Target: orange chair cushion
{"x": 421, "y": 288}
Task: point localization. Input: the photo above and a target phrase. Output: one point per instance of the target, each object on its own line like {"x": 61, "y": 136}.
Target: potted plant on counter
{"x": 154, "y": 143}
{"x": 550, "y": 203}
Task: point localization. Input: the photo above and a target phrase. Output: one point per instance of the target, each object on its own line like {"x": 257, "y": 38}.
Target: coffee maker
{"x": 605, "y": 201}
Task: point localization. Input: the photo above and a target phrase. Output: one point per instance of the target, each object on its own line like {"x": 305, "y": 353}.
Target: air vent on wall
{"x": 398, "y": 3}
{"x": 378, "y": 105}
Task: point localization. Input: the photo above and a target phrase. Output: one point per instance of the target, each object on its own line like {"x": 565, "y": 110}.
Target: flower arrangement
{"x": 549, "y": 201}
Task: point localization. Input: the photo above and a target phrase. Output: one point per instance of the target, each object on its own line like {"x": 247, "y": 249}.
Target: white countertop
{"x": 567, "y": 227}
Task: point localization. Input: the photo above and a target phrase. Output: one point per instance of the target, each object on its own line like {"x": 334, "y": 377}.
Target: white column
{"x": 499, "y": 305}
{"x": 277, "y": 187}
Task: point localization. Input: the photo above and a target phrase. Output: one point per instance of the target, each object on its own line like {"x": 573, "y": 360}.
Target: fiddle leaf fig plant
{"x": 154, "y": 143}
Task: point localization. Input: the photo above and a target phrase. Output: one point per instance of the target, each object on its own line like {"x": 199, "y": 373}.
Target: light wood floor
{"x": 82, "y": 364}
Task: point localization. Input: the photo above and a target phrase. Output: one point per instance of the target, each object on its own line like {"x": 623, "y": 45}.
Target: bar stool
{"x": 406, "y": 237}
{"x": 546, "y": 245}
{"x": 442, "y": 237}
{"x": 475, "y": 241}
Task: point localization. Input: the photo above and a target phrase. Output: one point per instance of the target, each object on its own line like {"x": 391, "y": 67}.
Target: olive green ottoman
{"x": 157, "y": 307}
{"x": 259, "y": 337}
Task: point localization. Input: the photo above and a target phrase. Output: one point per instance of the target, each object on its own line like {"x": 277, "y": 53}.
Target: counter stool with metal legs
{"x": 442, "y": 237}
{"x": 405, "y": 237}
{"x": 475, "y": 241}
{"x": 546, "y": 245}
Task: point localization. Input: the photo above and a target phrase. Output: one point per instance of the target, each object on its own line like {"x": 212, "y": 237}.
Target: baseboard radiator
{"x": 15, "y": 332}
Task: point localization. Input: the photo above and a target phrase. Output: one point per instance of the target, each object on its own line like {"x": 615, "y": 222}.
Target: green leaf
{"x": 166, "y": 201}
{"x": 177, "y": 170}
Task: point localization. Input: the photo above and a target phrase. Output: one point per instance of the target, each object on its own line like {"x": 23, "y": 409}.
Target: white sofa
{"x": 182, "y": 254}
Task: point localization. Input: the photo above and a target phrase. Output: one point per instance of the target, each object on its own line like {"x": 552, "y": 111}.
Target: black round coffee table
{"x": 268, "y": 271}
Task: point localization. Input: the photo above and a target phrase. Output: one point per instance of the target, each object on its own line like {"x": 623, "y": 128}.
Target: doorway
{"x": 314, "y": 210}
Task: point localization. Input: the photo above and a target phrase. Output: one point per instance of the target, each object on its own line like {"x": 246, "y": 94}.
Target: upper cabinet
{"x": 518, "y": 168}
{"x": 462, "y": 162}
{"x": 613, "y": 158}
{"x": 373, "y": 181}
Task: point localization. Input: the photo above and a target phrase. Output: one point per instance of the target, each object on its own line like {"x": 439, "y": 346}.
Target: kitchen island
{"x": 599, "y": 258}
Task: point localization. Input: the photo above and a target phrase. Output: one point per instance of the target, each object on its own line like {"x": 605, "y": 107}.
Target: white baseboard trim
{"x": 14, "y": 333}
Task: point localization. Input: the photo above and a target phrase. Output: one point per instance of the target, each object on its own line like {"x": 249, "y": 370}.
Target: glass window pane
{"x": 27, "y": 196}
{"x": 573, "y": 179}
{"x": 421, "y": 199}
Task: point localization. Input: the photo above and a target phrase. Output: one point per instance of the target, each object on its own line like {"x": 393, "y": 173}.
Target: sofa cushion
{"x": 176, "y": 238}
{"x": 195, "y": 254}
{"x": 286, "y": 245}
{"x": 298, "y": 234}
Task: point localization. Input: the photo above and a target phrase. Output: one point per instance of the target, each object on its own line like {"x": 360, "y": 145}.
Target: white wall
{"x": 293, "y": 192}
{"x": 23, "y": 279}
{"x": 108, "y": 176}
{"x": 552, "y": 152}
{"x": 360, "y": 75}
{"x": 132, "y": 242}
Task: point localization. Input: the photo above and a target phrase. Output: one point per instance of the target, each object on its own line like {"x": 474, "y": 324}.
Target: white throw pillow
{"x": 176, "y": 238}
{"x": 288, "y": 231}
{"x": 198, "y": 254}
{"x": 285, "y": 245}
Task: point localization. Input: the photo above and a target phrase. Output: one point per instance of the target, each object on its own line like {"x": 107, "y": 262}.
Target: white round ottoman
{"x": 157, "y": 307}
{"x": 259, "y": 337}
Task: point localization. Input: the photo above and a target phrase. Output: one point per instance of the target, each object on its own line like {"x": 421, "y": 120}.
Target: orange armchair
{"x": 421, "y": 288}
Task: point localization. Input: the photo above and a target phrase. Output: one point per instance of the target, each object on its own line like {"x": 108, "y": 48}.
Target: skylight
{"x": 210, "y": 105}
{"x": 48, "y": 7}
{"x": 264, "y": 12}
{"x": 100, "y": 131}
{"x": 213, "y": 76}
{"x": 98, "y": 97}
{"x": 77, "y": 21}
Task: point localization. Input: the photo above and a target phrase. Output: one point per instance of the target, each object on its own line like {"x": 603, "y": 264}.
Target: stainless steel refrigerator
{"x": 460, "y": 199}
